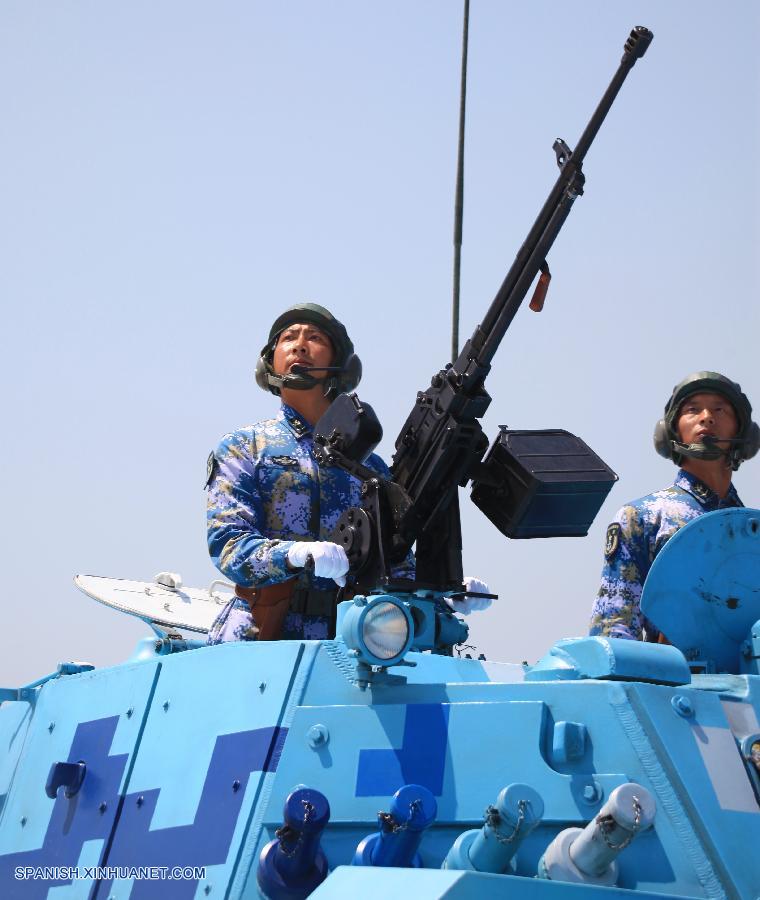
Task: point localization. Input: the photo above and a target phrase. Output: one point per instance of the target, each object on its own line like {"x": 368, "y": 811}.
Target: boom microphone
{"x": 708, "y": 448}
{"x": 711, "y": 442}
{"x": 297, "y": 369}
{"x": 299, "y": 377}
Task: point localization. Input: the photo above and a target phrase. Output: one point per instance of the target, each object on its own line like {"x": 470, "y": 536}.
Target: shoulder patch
{"x": 613, "y": 540}
{"x": 210, "y": 467}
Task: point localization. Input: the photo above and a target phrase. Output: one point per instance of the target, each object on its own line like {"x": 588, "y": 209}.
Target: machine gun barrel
{"x": 532, "y": 255}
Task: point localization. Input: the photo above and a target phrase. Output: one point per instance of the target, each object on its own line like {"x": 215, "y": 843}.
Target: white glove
{"x": 471, "y": 604}
{"x": 330, "y": 560}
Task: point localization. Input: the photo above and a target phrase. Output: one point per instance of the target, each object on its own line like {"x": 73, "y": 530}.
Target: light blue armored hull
{"x": 168, "y": 776}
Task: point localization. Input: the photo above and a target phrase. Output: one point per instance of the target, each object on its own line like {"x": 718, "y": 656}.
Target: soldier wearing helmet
{"x": 271, "y": 507}
{"x": 706, "y": 430}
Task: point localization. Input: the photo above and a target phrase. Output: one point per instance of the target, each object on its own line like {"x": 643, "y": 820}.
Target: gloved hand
{"x": 330, "y": 560}
{"x": 471, "y": 604}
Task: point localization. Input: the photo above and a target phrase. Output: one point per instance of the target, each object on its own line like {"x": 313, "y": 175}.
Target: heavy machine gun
{"x": 531, "y": 484}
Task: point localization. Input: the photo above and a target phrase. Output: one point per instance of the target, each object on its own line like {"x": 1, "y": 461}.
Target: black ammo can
{"x": 541, "y": 484}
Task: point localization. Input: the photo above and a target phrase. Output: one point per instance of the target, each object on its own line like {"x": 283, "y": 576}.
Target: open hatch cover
{"x": 703, "y": 590}
{"x": 177, "y": 608}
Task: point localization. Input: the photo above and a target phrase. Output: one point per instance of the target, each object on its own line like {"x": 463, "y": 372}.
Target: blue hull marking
{"x": 421, "y": 759}
{"x": 80, "y": 819}
{"x": 203, "y": 843}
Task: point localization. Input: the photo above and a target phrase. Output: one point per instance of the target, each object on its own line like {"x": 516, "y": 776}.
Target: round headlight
{"x": 385, "y": 630}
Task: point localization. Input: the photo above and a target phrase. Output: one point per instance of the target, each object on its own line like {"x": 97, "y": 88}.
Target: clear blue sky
{"x": 174, "y": 174}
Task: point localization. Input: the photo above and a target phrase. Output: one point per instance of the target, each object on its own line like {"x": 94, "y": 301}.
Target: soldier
{"x": 271, "y": 508}
{"x": 707, "y": 430}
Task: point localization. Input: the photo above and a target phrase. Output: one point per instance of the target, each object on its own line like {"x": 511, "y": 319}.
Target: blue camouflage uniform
{"x": 640, "y": 530}
{"x": 265, "y": 491}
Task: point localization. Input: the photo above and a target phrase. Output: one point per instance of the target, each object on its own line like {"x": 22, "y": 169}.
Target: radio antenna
{"x": 459, "y": 191}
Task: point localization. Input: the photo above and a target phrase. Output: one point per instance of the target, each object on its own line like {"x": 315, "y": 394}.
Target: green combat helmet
{"x": 745, "y": 445}
{"x": 343, "y": 376}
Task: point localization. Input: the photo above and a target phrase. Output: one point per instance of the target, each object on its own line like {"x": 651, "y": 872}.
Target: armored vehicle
{"x": 382, "y": 762}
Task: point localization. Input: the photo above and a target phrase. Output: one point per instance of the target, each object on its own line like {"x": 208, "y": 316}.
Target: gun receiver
{"x": 441, "y": 445}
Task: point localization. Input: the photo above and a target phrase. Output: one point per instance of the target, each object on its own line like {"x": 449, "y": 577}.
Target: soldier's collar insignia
{"x": 299, "y": 426}
{"x": 698, "y": 489}
{"x": 613, "y": 540}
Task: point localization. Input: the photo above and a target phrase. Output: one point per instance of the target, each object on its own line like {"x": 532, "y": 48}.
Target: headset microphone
{"x": 709, "y": 439}
{"x": 297, "y": 369}
{"x": 708, "y": 448}
{"x": 299, "y": 378}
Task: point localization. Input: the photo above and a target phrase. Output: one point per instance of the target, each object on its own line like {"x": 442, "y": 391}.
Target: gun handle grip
{"x": 542, "y": 286}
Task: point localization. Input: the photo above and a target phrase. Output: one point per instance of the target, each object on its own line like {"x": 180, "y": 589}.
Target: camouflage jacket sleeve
{"x": 405, "y": 569}
{"x": 235, "y": 517}
{"x": 616, "y": 612}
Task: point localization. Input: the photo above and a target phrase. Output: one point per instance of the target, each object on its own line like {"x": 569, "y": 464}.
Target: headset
{"x": 341, "y": 378}
{"x": 744, "y": 446}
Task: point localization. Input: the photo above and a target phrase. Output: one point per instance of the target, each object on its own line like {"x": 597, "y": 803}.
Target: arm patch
{"x": 612, "y": 542}
{"x": 210, "y": 468}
